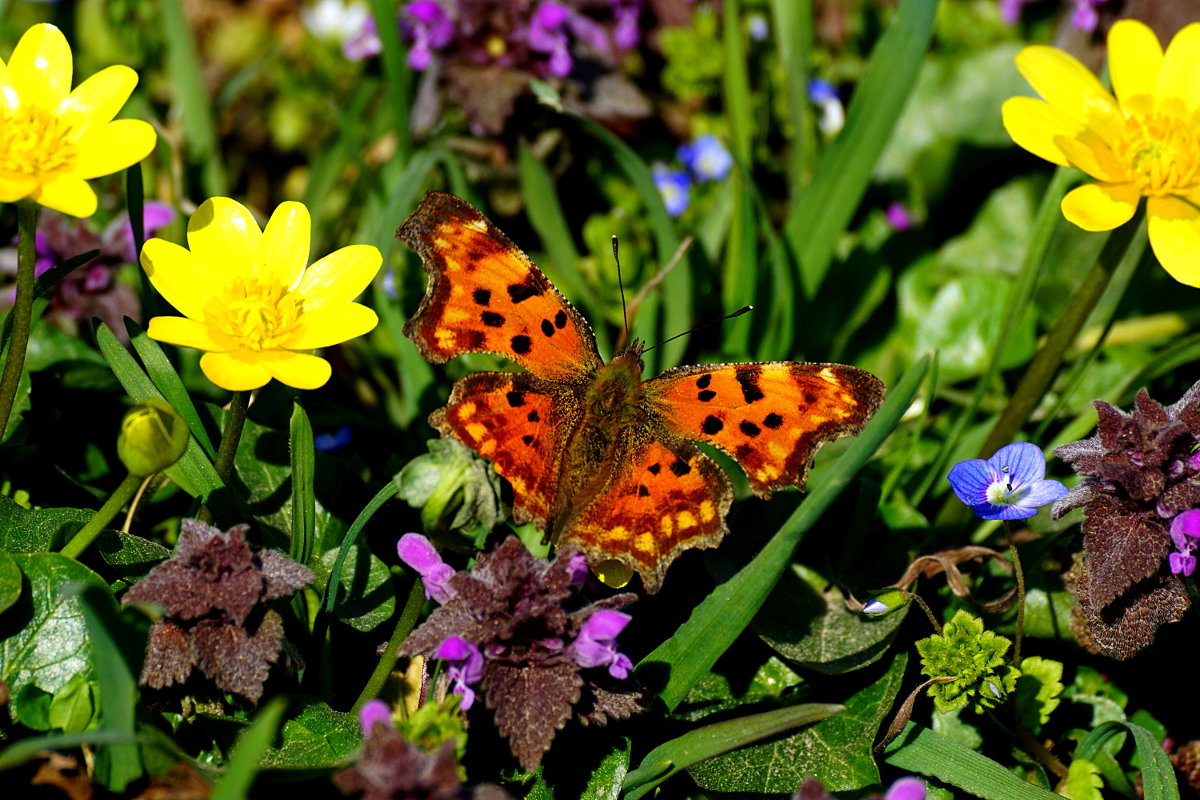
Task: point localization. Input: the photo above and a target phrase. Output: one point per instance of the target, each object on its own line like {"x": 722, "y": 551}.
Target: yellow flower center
{"x": 1162, "y": 149}
{"x": 34, "y": 141}
{"x": 257, "y": 315}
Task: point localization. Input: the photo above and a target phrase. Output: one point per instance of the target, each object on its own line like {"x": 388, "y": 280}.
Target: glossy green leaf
{"x": 304, "y": 501}
{"x": 314, "y": 737}
{"x": 10, "y": 581}
{"x": 367, "y": 598}
{"x": 687, "y": 655}
{"x": 24, "y": 530}
{"x": 837, "y": 751}
{"x": 1158, "y": 776}
{"x": 130, "y": 556}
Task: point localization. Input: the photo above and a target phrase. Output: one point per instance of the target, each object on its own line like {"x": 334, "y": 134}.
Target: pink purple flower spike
{"x": 429, "y": 28}
{"x": 907, "y": 788}
{"x": 374, "y": 712}
{"x": 1185, "y": 533}
{"x": 466, "y": 667}
{"x": 597, "y": 643}
{"x": 416, "y": 551}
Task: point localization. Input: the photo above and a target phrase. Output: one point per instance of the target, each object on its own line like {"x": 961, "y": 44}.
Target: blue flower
{"x": 706, "y": 158}
{"x": 674, "y": 186}
{"x": 1009, "y": 485}
{"x": 824, "y": 95}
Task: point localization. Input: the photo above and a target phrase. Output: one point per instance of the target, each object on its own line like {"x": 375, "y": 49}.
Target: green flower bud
{"x": 153, "y": 437}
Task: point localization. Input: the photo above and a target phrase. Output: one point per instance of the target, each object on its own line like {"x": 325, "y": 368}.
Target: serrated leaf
{"x": 368, "y": 598}
{"x": 315, "y": 737}
{"x": 34, "y": 531}
{"x": 1083, "y": 781}
{"x": 43, "y": 637}
{"x": 832, "y": 639}
{"x": 837, "y": 751}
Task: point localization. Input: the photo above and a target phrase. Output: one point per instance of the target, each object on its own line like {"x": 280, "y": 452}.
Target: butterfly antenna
{"x": 710, "y": 323}
{"x": 620, "y": 283}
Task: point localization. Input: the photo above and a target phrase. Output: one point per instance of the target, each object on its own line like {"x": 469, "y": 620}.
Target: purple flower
{"x": 374, "y": 712}
{"x": 898, "y": 217}
{"x": 1010, "y": 10}
{"x": 1009, "y": 485}
{"x": 626, "y": 33}
{"x": 1085, "y": 17}
{"x": 597, "y": 643}
{"x": 674, "y": 186}
{"x": 1185, "y": 531}
{"x": 427, "y": 24}
{"x": 416, "y": 551}
{"x": 547, "y": 35}
{"x": 466, "y": 667}
{"x": 706, "y": 158}
{"x": 364, "y": 44}
{"x": 907, "y": 788}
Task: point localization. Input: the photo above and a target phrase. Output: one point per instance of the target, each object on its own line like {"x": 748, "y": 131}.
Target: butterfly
{"x": 600, "y": 459}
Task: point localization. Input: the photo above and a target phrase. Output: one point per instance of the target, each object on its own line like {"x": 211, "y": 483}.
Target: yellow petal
{"x": 69, "y": 194}
{"x": 223, "y": 234}
{"x": 233, "y": 373}
{"x": 285, "y": 244}
{"x": 182, "y": 331}
{"x": 301, "y": 370}
{"x": 1090, "y": 154}
{"x": 340, "y": 276}
{"x": 1036, "y": 126}
{"x": 334, "y": 323}
{"x": 97, "y": 100}
{"x": 40, "y": 67}
{"x": 1072, "y": 88}
{"x": 183, "y": 279}
{"x": 15, "y": 186}
{"x": 1174, "y": 227}
{"x": 9, "y": 99}
{"x": 119, "y": 144}
{"x": 1101, "y": 206}
{"x": 1134, "y": 60}
{"x": 1180, "y": 75}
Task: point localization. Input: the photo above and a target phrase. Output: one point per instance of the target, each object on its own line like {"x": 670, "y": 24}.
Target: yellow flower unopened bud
{"x": 153, "y": 437}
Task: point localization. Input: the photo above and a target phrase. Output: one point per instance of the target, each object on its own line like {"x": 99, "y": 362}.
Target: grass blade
{"x": 304, "y": 499}
{"x": 251, "y": 745}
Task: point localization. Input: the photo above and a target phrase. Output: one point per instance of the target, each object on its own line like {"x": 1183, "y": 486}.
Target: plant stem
{"x": 1036, "y": 749}
{"x": 88, "y": 533}
{"x": 1020, "y": 575}
{"x": 404, "y": 625}
{"x": 235, "y": 419}
{"x": 22, "y": 310}
{"x": 1046, "y": 362}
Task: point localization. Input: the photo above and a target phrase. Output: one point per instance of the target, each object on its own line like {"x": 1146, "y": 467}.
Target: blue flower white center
{"x": 1003, "y": 493}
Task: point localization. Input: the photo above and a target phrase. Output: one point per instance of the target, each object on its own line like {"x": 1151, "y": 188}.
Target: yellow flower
{"x": 249, "y": 299}
{"x": 1145, "y": 142}
{"x": 53, "y": 139}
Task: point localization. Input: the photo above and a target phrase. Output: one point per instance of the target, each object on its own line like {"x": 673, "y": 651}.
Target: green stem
{"x": 404, "y": 625}
{"x": 88, "y": 533}
{"x": 22, "y": 311}
{"x": 1049, "y": 358}
{"x": 235, "y": 419}
{"x": 1020, "y": 575}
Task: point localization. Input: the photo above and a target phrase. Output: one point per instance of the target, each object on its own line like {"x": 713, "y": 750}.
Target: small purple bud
{"x": 374, "y": 712}
{"x": 466, "y": 667}
{"x": 898, "y": 217}
{"x": 577, "y": 566}
{"x": 875, "y": 607}
{"x": 908, "y": 788}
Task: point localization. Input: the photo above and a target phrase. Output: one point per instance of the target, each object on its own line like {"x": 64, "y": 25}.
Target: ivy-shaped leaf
{"x": 315, "y": 737}
{"x": 368, "y": 598}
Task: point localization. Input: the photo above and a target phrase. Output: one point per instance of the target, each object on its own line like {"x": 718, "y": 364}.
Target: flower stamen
{"x": 257, "y": 315}
{"x": 33, "y": 141}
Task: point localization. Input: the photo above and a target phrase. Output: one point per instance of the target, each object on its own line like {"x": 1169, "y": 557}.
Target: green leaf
{"x": 304, "y": 500}
{"x": 10, "y": 581}
{"x": 686, "y": 656}
{"x": 837, "y": 751}
{"x": 368, "y": 598}
{"x": 833, "y": 639}
{"x": 252, "y": 744}
{"x": 918, "y": 749}
{"x": 816, "y": 221}
{"x": 75, "y": 706}
{"x": 385, "y": 493}
{"x": 1083, "y": 781}
{"x": 1038, "y": 689}
{"x": 1158, "y": 776}
{"x": 720, "y": 737}
{"x": 317, "y": 737}
{"x": 23, "y": 530}
{"x": 130, "y": 556}
{"x": 186, "y": 80}
{"x": 167, "y": 380}
{"x": 43, "y": 638}
{"x": 604, "y": 781}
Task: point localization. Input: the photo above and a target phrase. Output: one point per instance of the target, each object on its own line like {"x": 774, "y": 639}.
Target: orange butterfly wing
{"x": 769, "y": 417}
{"x": 486, "y": 296}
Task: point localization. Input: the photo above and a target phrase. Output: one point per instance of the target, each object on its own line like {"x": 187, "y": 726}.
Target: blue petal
{"x": 1043, "y": 492}
{"x": 1025, "y": 462}
{"x": 991, "y": 511}
{"x": 971, "y": 479}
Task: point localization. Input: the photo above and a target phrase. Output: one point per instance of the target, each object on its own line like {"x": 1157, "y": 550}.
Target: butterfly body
{"x": 604, "y": 461}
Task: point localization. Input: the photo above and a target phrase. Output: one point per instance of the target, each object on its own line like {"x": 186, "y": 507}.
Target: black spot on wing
{"x": 747, "y": 378}
{"x": 654, "y": 469}
{"x": 476, "y": 340}
{"x": 560, "y": 319}
{"x": 706, "y": 395}
{"x": 482, "y": 296}
{"x": 520, "y": 292}
{"x": 749, "y": 428}
{"x": 515, "y": 399}
{"x": 522, "y": 344}
{"x": 547, "y": 328}
{"x": 643, "y": 491}
{"x": 492, "y": 319}
{"x": 810, "y": 398}
{"x": 743, "y": 452}
{"x": 527, "y": 439}
{"x": 703, "y": 381}
{"x": 773, "y": 421}
{"x": 712, "y": 425}
{"x": 534, "y": 416}
{"x": 680, "y": 467}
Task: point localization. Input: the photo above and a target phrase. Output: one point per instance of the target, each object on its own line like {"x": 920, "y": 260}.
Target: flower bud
{"x": 153, "y": 437}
